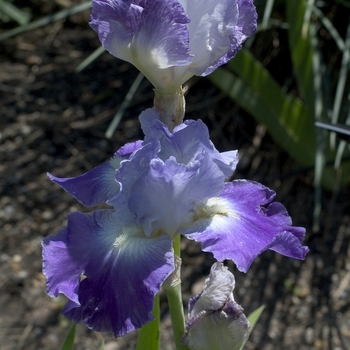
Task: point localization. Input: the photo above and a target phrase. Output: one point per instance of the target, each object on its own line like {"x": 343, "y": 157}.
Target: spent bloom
{"x": 169, "y": 41}
{"x": 110, "y": 263}
{"x": 215, "y": 320}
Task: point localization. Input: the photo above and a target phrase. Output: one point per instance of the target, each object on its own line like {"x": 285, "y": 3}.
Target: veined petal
{"x": 131, "y": 170}
{"x": 217, "y": 30}
{"x": 245, "y": 27}
{"x": 62, "y": 277}
{"x": 94, "y": 187}
{"x": 168, "y": 40}
{"x": 128, "y": 149}
{"x": 162, "y": 197}
{"x": 242, "y": 223}
{"x": 185, "y": 142}
{"x": 150, "y": 34}
{"x": 108, "y": 269}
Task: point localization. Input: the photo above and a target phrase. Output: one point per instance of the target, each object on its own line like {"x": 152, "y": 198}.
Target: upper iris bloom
{"x": 111, "y": 263}
{"x": 169, "y": 41}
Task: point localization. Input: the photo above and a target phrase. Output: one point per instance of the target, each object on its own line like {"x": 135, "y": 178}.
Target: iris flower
{"x": 110, "y": 263}
{"x": 169, "y": 41}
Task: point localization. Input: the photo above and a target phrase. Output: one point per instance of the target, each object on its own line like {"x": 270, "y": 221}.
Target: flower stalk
{"x": 173, "y": 290}
{"x": 171, "y": 108}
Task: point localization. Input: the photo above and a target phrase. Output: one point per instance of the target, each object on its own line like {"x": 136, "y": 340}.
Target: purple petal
{"x": 94, "y": 187}
{"x": 152, "y": 35}
{"x": 185, "y": 142}
{"x": 131, "y": 170}
{"x": 242, "y": 223}
{"x": 62, "y": 277}
{"x": 245, "y": 27}
{"x": 108, "y": 269}
{"x": 129, "y": 148}
{"x": 217, "y": 31}
{"x": 162, "y": 197}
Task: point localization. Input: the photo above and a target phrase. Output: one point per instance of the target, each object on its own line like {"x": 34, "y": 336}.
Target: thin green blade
{"x": 257, "y": 93}
{"x": 68, "y": 343}
{"x": 253, "y": 319}
{"x": 148, "y": 338}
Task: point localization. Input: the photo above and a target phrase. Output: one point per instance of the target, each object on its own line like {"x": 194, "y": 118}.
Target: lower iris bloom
{"x": 110, "y": 263}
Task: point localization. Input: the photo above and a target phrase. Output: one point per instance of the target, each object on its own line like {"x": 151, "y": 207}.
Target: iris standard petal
{"x": 238, "y": 225}
{"x": 217, "y": 30}
{"x": 94, "y": 187}
{"x": 169, "y": 41}
{"x": 162, "y": 196}
{"x": 130, "y": 171}
{"x": 186, "y": 141}
{"x": 245, "y": 27}
{"x": 113, "y": 271}
{"x": 150, "y": 34}
{"x": 128, "y": 149}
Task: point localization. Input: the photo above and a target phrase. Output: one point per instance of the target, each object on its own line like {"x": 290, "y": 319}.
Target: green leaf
{"x": 302, "y": 52}
{"x": 148, "y": 338}
{"x": 255, "y": 315}
{"x": 21, "y": 17}
{"x": 46, "y": 20}
{"x": 285, "y": 116}
{"x": 68, "y": 343}
{"x": 91, "y": 58}
{"x": 253, "y": 319}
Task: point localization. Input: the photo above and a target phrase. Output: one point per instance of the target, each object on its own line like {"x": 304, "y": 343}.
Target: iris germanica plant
{"x": 110, "y": 263}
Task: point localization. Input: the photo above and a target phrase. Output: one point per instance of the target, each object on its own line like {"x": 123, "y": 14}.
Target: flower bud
{"x": 215, "y": 320}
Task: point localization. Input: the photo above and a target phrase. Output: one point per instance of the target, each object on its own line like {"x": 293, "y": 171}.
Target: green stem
{"x": 175, "y": 304}
{"x": 148, "y": 338}
{"x": 177, "y": 245}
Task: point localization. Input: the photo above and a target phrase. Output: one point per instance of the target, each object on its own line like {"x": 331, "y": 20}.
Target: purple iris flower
{"x": 171, "y": 40}
{"x": 110, "y": 263}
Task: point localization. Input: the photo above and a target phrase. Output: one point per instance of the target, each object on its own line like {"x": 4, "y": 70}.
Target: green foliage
{"x": 148, "y": 338}
{"x": 257, "y": 92}
{"x": 26, "y": 27}
{"x": 68, "y": 343}
{"x": 9, "y": 12}
{"x": 290, "y": 118}
{"x": 253, "y": 319}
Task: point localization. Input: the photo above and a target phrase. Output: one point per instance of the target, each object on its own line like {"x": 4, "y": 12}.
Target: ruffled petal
{"x": 128, "y": 149}
{"x": 62, "y": 277}
{"x": 152, "y": 35}
{"x": 168, "y": 40}
{"x": 185, "y": 142}
{"x": 108, "y": 269}
{"x": 131, "y": 170}
{"x": 245, "y": 27}
{"x": 217, "y": 31}
{"x": 241, "y": 224}
{"x": 94, "y": 187}
{"x": 162, "y": 197}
